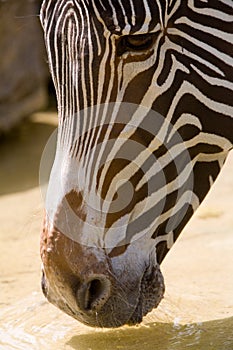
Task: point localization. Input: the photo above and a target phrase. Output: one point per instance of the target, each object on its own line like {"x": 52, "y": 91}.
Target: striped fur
{"x": 143, "y": 133}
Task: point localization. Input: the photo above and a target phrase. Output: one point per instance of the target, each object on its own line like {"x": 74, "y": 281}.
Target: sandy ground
{"x": 198, "y": 271}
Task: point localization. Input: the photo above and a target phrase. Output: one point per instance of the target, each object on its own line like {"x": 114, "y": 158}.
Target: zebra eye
{"x": 141, "y": 42}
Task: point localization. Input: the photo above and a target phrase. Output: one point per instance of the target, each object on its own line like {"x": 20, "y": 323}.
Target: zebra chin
{"x": 81, "y": 281}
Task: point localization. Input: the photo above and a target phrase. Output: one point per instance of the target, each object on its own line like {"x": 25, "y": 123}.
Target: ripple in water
{"x": 33, "y": 324}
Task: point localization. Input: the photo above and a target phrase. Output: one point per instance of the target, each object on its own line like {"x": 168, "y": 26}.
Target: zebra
{"x": 145, "y": 105}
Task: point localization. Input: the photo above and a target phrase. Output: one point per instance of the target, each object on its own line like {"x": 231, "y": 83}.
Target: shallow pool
{"x": 34, "y": 324}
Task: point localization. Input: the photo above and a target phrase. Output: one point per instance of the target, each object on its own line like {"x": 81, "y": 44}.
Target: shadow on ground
{"x": 20, "y": 154}
{"x": 212, "y": 335}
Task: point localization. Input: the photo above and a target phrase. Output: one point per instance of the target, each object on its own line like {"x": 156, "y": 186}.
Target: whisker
{"x": 27, "y": 16}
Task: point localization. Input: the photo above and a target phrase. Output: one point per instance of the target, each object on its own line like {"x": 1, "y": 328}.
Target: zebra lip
{"x": 150, "y": 294}
{"x": 138, "y": 313}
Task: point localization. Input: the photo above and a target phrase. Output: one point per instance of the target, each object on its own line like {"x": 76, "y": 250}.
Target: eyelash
{"x": 141, "y": 42}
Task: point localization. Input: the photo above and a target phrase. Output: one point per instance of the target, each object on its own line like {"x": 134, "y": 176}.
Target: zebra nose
{"x": 92, "y": 295}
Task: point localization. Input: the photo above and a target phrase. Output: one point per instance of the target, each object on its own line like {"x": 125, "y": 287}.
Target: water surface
{"x": 33, "y": 324}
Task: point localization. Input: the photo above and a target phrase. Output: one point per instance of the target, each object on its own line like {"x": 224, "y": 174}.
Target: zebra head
{"x": 144, "y": 91}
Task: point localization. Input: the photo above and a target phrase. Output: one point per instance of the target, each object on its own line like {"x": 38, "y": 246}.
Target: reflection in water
{"x": 34, "y": 324}
{"x": 206, "y": 336}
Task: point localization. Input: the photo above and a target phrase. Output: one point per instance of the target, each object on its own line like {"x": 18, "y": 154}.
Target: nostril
{"x": 96, "y": 289}
{"x": 91, "y": 296}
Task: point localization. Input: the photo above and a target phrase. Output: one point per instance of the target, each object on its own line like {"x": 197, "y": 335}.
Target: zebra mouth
{"x": 151, "y": 292}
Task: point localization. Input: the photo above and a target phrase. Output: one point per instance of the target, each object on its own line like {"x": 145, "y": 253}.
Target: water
{"x": 33, "y": 324}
